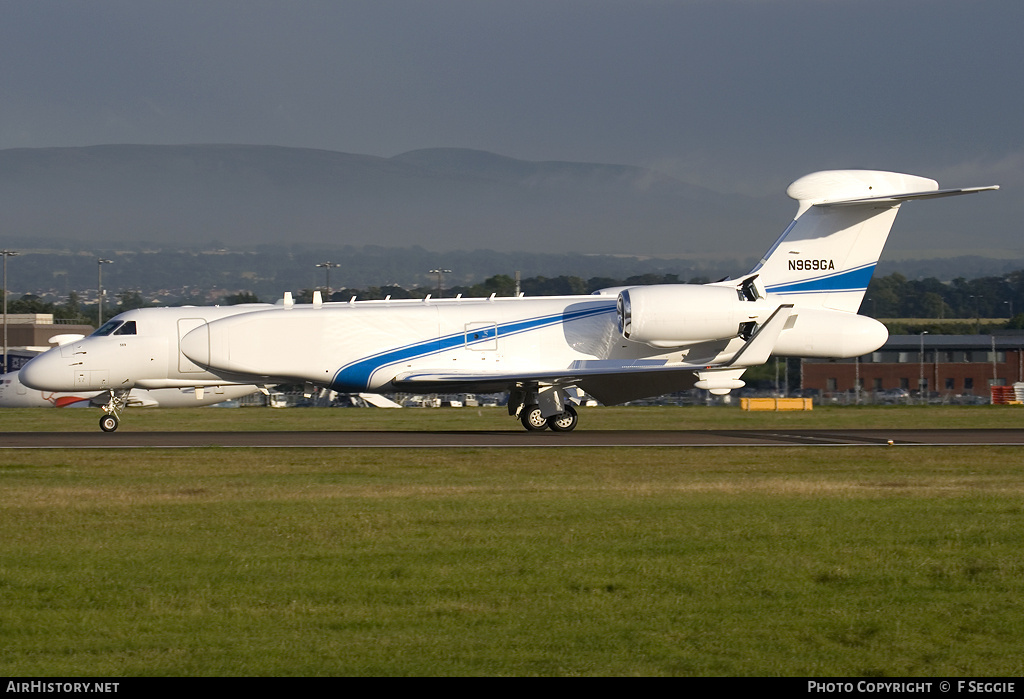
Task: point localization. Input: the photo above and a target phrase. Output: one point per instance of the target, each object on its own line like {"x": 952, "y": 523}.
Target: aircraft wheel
{"x": 565, "y": 422}
{"x": 532, "y": 419}
{"x": 108, "y": 423}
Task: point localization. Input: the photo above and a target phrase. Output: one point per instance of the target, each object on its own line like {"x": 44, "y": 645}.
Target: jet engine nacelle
{"x": 672, "y": 315}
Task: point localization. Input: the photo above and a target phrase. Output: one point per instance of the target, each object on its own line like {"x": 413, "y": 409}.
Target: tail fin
{"x": 826, "y": 257}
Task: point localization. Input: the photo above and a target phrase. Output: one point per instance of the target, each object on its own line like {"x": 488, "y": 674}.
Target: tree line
{"x": 74, "y": 310}
{"x": 889, "y": 297}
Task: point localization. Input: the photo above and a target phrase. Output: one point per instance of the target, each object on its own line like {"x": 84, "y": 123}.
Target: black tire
{"x": 532, "y": 419}
{"x": 565, "y": 422}
{"x": 109, "y": 423}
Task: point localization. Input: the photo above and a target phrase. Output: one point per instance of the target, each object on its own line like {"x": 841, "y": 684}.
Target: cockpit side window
{"x": 126, "y": 329}
{"x": 107, "y": 328}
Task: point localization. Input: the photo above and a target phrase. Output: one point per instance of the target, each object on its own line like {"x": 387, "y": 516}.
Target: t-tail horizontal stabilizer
{"x": 900, "y": 198}
{"x": 826, "y": 257}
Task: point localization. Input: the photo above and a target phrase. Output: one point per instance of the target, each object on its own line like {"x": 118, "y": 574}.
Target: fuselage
{"x": 476, "y": 344}
{"x": 366, "y": 346}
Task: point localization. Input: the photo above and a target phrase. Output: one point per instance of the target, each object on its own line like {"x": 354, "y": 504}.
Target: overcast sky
{"x": 735, "y": 95}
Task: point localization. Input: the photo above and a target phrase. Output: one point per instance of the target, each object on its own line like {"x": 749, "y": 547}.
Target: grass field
{"x": 601, "y": 418}
{"x": 644, "y": 561}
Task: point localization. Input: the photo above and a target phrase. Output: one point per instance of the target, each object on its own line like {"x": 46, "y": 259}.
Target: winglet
{"x": 760, "y": 345}
{"x": 724, "y": 378}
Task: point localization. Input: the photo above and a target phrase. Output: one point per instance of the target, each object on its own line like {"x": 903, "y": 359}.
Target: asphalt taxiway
{"x": 514, "y": 439}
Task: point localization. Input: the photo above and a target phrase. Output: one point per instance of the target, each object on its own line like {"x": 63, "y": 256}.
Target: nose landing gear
{"x": 118, "y": 400}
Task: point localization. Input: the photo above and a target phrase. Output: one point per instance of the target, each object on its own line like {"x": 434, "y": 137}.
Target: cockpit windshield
{"x": 108, "y": 328}
{"x": 116, "y": 327}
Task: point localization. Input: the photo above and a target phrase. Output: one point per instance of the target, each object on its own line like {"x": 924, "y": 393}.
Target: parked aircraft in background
{"x": 617, "y": 345}
{"x": 15, "y": 394}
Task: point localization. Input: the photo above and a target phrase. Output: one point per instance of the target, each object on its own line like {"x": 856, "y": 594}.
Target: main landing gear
{"x": 118, "y": 400}
{"x": 543, "y": 408}
{"x": 534, "y": 420}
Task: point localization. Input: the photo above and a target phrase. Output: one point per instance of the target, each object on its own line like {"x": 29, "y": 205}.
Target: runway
{"x": 513, "y": 439}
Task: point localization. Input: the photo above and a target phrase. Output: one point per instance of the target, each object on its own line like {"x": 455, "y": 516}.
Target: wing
{"x": 610, "y": 381}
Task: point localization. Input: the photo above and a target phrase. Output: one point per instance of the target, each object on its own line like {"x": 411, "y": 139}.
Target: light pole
{"x": 99, "y": 288}
{"x": 6, "y": 254}
{"x": 327, "y": 268}
{"x": 856, "y": 379}
{"x": 439, "y": 272}
{"x": 920, "y": 380}
{"x": 977, "y": 314}
{"x": 993, "y": 337}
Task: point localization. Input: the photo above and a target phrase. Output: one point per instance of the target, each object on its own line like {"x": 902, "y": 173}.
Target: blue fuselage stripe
{"x": 850, "y": 280}
{"x": 355, "y": 376}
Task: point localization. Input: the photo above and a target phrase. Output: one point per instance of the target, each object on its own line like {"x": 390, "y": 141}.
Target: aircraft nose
{"x": 48, "y": 372}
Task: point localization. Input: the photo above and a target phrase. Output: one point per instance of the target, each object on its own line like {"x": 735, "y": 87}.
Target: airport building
{"x": 942, "y": 365}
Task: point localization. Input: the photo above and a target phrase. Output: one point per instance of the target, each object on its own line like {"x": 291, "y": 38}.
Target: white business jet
{"x": 618, "y": 344}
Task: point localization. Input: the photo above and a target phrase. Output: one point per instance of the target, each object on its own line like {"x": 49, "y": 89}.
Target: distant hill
{"x": 441, "y": 199}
